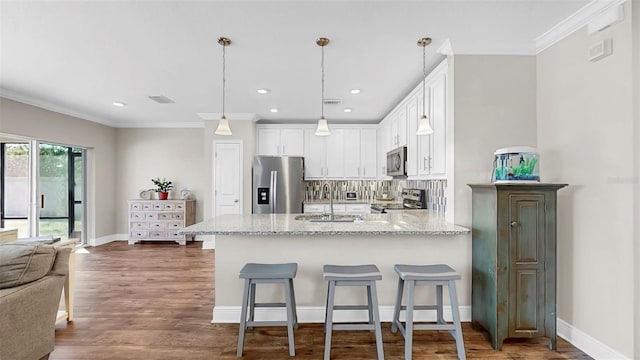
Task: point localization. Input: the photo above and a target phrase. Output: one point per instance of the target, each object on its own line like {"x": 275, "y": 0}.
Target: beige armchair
{"x": 31, "y": 281}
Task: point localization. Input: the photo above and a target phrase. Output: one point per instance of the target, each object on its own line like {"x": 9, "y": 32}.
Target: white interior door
{"x": 228, "y": 177}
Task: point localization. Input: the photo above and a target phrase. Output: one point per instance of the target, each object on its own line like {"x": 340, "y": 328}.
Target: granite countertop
{"x": 412, "y": 222}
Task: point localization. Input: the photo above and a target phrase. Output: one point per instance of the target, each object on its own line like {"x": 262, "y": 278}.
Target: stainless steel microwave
{"x": 397, "y": 162}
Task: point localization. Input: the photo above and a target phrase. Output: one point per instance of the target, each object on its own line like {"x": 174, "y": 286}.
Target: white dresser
{"x": 160, "y": 220}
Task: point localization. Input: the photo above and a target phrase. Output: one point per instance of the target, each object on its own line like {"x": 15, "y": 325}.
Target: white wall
{"x": 586, "y": 138}
{"x": 244, "y": 130}
{"x": 174, "y": 154}
{"x": 37, "y": 123}
{"x": 494, "y": 106}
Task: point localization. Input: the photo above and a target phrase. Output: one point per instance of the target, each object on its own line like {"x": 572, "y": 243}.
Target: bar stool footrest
{"x": 266, "y": 323}
{"x": 282, "y": 305}
{"x": 350, "y": 307}
{"x": 354, "y": 326}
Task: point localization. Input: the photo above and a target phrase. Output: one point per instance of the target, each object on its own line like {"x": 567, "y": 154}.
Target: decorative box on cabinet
{"x": 160, "y": 220}
{"x": 514, "y": 261}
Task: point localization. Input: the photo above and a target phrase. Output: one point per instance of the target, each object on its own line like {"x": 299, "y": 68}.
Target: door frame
{"x": 214, "y": 174}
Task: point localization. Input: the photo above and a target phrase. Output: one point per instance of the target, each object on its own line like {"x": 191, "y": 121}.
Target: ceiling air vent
{"x": 161, "y": 99}
{"x": 332, "y": 101}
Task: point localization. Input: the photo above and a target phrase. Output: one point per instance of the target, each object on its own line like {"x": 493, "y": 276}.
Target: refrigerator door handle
{"x": 273, "y": 185}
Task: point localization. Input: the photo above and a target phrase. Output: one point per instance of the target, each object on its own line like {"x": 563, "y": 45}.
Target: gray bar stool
{"x": 360, "y": 275}
{"x": 268, "y": 274}
{"x": 433, "y": 275}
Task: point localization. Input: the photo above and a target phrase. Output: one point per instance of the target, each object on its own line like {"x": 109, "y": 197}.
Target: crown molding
{"x": 574, "y": 22}
{"x": 478, "y": 48}
{"x": 12, "y": 95}
{"x": 230, "y": 116}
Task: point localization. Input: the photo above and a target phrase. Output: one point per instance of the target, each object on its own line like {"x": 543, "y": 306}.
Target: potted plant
{"x": 162, "y": 187}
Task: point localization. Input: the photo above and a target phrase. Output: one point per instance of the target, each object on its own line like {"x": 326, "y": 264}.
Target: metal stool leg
{"x": 243, "y": 317}
{"x": 397, "y": 307}
{"x": 252, "y": 303}
{"x": 456, "y": 320}
{"x": 408, "y": 334}
{"x": 293, "y": 300}
{"x": 369, "y": 303}
{"x": 439, "y": 304}
{"x": 290, "y": 316}
{"x": 328, "y": 323}
{"x": 373, "y": 305}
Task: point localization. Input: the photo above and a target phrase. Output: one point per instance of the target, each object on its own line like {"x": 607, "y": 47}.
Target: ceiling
{"x": 78, "y": 57}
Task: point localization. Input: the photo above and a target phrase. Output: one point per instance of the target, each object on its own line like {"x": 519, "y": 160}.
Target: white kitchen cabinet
{"x": 432, "y": 149}
{"x": 315, "y": 157}
{"x": 413, "y": 115}
{"x": 335, "y": 154}
{"x": 399, "y": 127}
{"x": 337, "y": 208}
{"x": 349, "y": 152}
{"x": 368, "y": 153}
{"x": 280, "y": 141}
{"x": 384, "y": 145}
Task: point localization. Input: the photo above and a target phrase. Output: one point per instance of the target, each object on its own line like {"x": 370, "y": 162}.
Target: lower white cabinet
{"x": 160, "y": 219}
{"x": 337, "y": 208}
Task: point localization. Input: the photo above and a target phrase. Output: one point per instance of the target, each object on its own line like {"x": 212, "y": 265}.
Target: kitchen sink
{"x": 327, "y": 218}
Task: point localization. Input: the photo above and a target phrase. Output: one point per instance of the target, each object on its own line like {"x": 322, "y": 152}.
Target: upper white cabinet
{"x": 349, "y": 152}
{"x": 431, "y": 159}
{"x": 280, "y": 141}
{"x": 426, "y": 154}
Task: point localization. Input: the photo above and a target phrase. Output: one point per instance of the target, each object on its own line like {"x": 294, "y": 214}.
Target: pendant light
{"x": 323, "y": 127}
{"x": 423, "y": 126}
{"x": 223, "y": 125}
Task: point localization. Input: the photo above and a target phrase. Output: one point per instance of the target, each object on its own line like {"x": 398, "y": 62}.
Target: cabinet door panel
{"x": 526, "y": 253}
{"x": 291, "y": 142}
{"x": 368, "y": 153}
{"x": 402, "y": 126}
{"x": 314, "y": 155}
{"x": 351, "y": 153}
{"x": 269, "y": 142}
{"x": 335, "y": 154}
{"x": 439, "y": 125}
{"x": 412, "y": 138}
{"x": 424, "y": 141}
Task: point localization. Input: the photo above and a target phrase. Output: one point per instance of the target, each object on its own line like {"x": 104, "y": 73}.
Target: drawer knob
{"x": 514, "y": 224}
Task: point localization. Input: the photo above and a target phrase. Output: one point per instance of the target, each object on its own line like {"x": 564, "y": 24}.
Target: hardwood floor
{"x": 154, "y": 300}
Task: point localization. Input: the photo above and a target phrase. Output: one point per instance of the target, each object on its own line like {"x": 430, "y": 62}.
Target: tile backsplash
{"x": 372, "y": 190}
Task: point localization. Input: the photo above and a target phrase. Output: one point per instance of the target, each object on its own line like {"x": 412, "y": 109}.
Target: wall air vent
{"x": 332, "y": 101}
{"x": 161, "y": 99}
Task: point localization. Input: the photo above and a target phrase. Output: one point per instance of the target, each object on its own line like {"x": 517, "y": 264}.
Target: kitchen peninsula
{"x": 401, "y": 237}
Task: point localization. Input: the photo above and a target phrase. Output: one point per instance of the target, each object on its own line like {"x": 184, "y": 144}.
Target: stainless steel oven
{"x": 397, "y": 162}
{"x": 412, "y": 199}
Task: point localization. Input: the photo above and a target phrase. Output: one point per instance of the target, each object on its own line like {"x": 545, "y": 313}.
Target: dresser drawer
{"x": 178, "y": 216}
{"x": 157, "y": 206}
{"x": 157, "y": 235}
{"x": 138, "y": 234}
{"x": 157, "y": 226}
{"x": 174, "y": 235}
{"x": 179, "y": 207}
{"x": 135, "y": 206}
{"x": 147, "y": 207}
{"x": 168, "y": 206}
{"x": 165, "y": 216}
{"x": 139, "y": 226}
{"x": 151, "y": 216}
{"x": 138, "y": 216}
{"x": 174, "y": 225}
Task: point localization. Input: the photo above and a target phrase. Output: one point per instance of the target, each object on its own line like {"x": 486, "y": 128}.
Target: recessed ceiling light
{"x": 119, "y": 104}
{"x": 355, "y": 91}
{"x": 348, "y": 110}
{"x": 273, "y": 110}
{"x": 263, "y": 91}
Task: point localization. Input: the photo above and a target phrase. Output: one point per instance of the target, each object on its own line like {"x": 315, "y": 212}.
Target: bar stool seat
{"x": 268, "y": 274}
{"x": 352, "y": 275}
{"x": 433, "y": 275}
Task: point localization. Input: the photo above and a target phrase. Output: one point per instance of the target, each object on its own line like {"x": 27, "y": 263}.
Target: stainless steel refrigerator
{"x": 278, "y": 184}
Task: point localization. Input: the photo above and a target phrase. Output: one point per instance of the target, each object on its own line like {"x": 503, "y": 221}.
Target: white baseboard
{"x": 315, "y": 314}
{"x": 107, "y": 239}
{"x": 209, "y": 242}
{"x": 586, "y": 343}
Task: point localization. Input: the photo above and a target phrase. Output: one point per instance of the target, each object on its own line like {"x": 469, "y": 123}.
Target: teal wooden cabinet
{"x": 514, "y": 261}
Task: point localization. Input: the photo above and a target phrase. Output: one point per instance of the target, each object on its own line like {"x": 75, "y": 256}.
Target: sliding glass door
{"x": 42, "y": 194}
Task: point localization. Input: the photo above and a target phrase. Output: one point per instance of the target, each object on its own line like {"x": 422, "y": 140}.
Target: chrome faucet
{"x": 324, "y": 192}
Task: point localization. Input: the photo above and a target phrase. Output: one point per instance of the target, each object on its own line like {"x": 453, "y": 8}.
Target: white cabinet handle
{"x": 424, "y": 164}
{"x": 283, "y": 150}
{"x": 358, "y": 171}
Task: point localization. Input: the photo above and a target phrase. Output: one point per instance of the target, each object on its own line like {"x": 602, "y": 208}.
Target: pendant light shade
{"x": 424, "y": 128}
{"x": 323, "y": 127}
{"x": 223, "y": 125}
